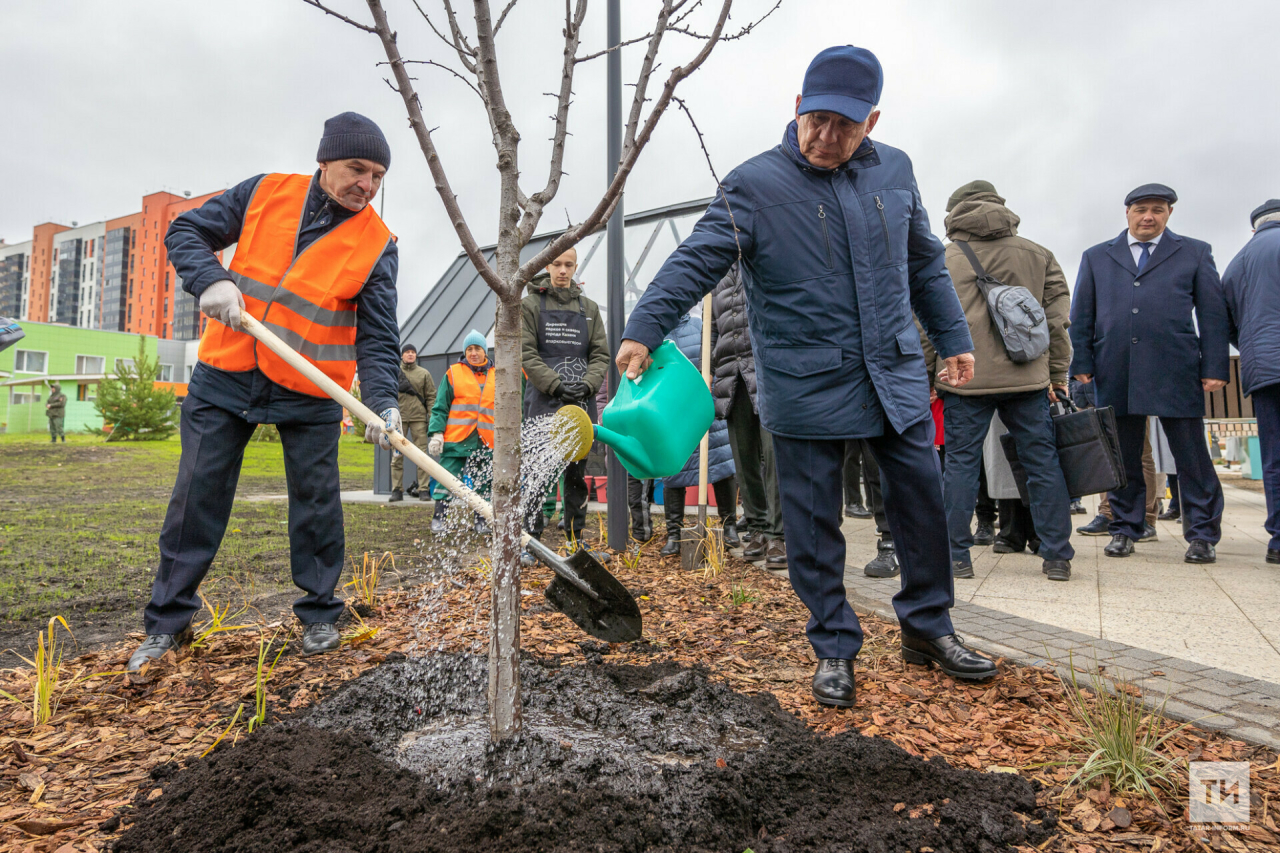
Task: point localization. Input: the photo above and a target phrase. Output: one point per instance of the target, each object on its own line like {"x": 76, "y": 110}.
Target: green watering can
{"x": 656, "y": 422}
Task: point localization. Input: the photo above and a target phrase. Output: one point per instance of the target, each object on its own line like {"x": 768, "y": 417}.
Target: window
{"x": 122, "y": 363}
{"x": 86, "y": 364}
{"x": 166, "y": 373}
{"x": 190, "y": 367}
{"x": 86, "y": 393}
{"x": 30, "y": 361}
{"x": 22, "y": 398}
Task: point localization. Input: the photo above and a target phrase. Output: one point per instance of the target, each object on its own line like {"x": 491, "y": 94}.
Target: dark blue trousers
{"x": 1202, "y": 500}
{"x": 967, "y": 421}
{"x": 1266, "y": 408}
{"x": 812, "y": 487}
{"x": 213, "y": 442}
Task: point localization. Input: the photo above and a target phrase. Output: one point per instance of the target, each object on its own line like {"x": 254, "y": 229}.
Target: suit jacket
{"x": 1135, "y": 334}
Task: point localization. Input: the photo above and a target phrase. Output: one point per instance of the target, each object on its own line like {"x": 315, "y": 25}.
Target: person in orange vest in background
{"x": 461, "y": 427}
{"x": 315, "y": 264}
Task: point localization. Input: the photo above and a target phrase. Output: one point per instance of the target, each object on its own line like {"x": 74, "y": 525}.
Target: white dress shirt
{"x": 1135, "y": 245}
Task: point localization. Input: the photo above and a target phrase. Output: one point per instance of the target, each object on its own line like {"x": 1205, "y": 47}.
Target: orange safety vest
{"x": 472, "y": 405}
{"x": 307, "y": 299}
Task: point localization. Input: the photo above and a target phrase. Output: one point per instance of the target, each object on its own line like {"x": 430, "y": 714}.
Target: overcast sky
{"x": 1065, "y": 107}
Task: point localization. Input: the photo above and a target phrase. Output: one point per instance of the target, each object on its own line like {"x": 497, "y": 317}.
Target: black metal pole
{"x": 617, "y": 482}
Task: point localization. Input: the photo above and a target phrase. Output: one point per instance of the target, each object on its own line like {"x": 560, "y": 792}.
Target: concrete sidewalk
{"x": 1206, "y": 636}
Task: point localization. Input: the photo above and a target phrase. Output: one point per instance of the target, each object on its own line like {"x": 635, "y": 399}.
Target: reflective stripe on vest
{"x": 472, "y": 406}
{"x": 307, "y": 299}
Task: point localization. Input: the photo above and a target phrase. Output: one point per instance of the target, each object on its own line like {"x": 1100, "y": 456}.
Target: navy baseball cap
{"x": 1159, "y": 191}
{"x": 846, "y": 80}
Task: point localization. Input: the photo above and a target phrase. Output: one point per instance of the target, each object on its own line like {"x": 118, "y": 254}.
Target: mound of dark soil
{"x": 611, "y": 759}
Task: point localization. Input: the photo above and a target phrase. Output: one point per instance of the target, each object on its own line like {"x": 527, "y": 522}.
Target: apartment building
{"x": 113, "y": 275}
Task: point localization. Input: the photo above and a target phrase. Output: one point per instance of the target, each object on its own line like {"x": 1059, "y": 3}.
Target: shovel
{"x": 583, "y": 589}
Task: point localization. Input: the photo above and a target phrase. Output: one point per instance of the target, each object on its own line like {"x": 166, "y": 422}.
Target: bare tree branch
{"x": 611, "y": 195}
{"x": 468, "y": 83}
{"x": 502, "y": 17}
{"x": 328, "y": 11}
{"x": 458, "y": 43}
{"x": 719, "y": 186}
{"x": 535, "y": 203}
{"x": 414, "y": 107}
{"x": 739, "y": 34}
{"x": 619, "y": 46}
{"x": 646, "y": 70}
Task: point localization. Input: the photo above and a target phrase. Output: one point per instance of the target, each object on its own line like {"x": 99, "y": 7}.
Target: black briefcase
{"x": 1088, "y": 451}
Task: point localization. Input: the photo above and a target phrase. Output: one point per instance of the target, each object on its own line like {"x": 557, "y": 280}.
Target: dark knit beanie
{"x": 349, "y": 135}
{"x": 408, "y": 348}
{"x": 971, "y": 188}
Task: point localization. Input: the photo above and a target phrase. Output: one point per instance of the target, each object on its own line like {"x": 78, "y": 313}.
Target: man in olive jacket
{"x": 565, "y": 357}
{"x": 417, "y": 392}
{"x": 1021, "y": 393}
{"x": 56, "y": 409}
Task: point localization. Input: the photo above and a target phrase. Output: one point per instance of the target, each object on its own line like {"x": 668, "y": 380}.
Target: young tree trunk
{"x": 504, "y": 620}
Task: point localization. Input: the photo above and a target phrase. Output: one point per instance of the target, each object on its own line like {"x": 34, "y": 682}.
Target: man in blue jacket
{"x": 1251, "y": 285}
{"x": 224, "y": 406}
{"x": 836, "y": 255}
{"x": 1132, "y": 332}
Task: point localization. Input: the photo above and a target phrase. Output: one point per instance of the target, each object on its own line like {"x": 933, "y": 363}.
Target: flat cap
{"x": 1159, "y": 191}
{"x": 1271, "y": 205}
{"x": 971, "y": 188}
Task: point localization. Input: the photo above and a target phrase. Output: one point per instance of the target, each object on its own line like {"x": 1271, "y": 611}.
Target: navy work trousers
{"x": 213, "y": 442}
{"x": 968, "y": 419}
{"x": 811, "y": 482}
{"x": 1266, "y": 408}
{"x": 1201, "y": 491}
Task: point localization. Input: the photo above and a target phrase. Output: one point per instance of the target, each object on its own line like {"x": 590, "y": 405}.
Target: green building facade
{"x": 75, "y": 358}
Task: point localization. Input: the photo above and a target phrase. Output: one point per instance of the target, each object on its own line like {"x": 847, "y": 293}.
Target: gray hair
{"x": 1273, "y": 216}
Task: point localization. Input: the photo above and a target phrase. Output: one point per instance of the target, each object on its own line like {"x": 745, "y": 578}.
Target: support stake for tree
{"x": 693, "y": 542}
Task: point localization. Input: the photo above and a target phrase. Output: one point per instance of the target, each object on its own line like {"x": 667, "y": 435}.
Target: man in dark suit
{"x": 1132, "y": 330}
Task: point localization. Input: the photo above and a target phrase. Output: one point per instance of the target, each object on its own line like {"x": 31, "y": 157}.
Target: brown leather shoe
{"x": 754, "y": 546}
{"x": 776, "y": 555}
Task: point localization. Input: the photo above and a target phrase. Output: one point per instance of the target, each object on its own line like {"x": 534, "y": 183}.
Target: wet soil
{"x": 612, "y": 758}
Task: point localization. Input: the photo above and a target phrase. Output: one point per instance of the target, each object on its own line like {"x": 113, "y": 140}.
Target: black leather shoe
{"x": 885, "y": 564}
{"x": 320, "y": 637}
{"x": 961, "y": 569}
{"x": 754, "y": 546}
{"x": 731, "y": 539}
{"x": 856, "y": 511}
{"x": 833, "y": 682}
{"x": 1003, "y": 547}
{"x": 950, "y": 655}
{"x": 1273, "y": 556}
{"x": 1098, "y": 527}
{"x": 1148, "y": 533}
{"x": 672, "y": 548}
{"x": 1057, "y": 570}
{"x": 1077, "y": 508}
{"x": 986, "y": 534}
{"x": 1119, "y": 546}
{"x": 1170, "y": 514}
{"x": 1201, "y": 551}
{"x": 396, "y": 495}
{"x": 154, "y": 646}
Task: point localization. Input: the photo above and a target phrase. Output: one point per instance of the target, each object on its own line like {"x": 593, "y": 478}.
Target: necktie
{"x": 1145, "y": 256}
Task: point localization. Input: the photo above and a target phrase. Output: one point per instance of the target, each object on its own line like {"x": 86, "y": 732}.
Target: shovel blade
{"x": 614, "y": 618}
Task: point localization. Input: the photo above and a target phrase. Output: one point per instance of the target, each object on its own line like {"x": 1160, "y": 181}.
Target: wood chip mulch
{"x": 65, "y": 786}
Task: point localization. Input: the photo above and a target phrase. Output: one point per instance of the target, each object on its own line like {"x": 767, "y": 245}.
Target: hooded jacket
{"x": 991, "y": 230}
{"x": 568, "y": 298}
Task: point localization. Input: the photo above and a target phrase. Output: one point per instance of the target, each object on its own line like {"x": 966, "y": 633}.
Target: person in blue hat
{"x": 1133, "y": 334}
{"x": 1251, "y": 285}
{"x": 836, "y": 254}
{"x": 461, "y": 427}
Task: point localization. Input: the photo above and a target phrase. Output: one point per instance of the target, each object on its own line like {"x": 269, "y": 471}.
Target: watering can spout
{"x": 628, "y": 447}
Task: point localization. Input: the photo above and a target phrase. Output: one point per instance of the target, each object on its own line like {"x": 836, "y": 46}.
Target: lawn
{"x": 81, "y": 521}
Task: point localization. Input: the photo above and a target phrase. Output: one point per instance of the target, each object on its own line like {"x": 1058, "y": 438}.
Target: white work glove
{"x": 223, "y": 302}
{"x": 376, "y": 433}
{"x": 435, "y": 446}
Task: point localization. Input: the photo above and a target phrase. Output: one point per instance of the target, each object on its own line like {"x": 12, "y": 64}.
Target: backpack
{"x": 1016, "y": 314}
